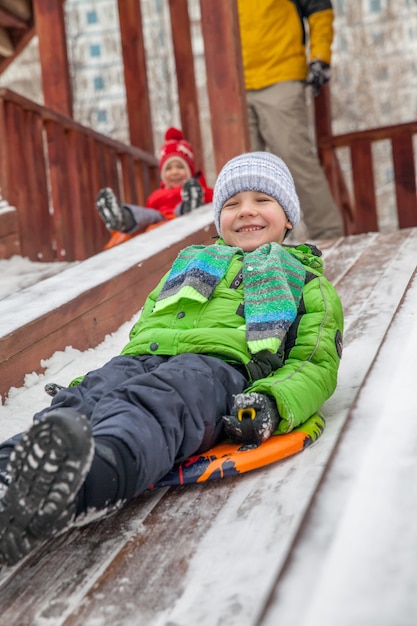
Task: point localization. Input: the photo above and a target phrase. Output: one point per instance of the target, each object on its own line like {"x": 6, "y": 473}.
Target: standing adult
{"x": 279, "y": 61}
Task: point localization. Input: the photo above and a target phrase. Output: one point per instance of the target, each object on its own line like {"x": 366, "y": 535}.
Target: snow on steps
{"x": 279, "y": 545}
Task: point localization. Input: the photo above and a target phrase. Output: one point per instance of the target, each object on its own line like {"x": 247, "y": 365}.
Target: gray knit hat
{"x": 257, "y": 171}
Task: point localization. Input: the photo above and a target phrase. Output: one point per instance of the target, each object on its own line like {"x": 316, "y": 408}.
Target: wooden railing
{"x": 46, "y": 175}
{"x": 360, "y": 211}
{"x": 51, "y": 169}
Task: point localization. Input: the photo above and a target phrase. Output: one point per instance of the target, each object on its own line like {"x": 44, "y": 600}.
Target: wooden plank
{"x": 405, "y": 179}
{"x": 97, "y": 545}
{"x": 6, "y": 46}
{"x": 226, "y": 90}
{"x": 95, "y": 234}
{"x": 75, "y": 158}
{"x": 93, "y": 178}
{"x": 372, "y": 536}
{"x": 373, "y": 134}
{"x": 39, "y": 225}
{"x": 8, "y": 217}
{"x": 9, "y": 232}
{"x": 60, "y": 194}
{"x": 328, "y": 157}
{"x": 19, "y": 165}
{"x": 130, "y": 195}
{"x": 364, "y": 186}
{"x": 325, "y": 518}
{"x": 4, "y": 161}
{"x": 136, "y": 82}
{"x": 19, "y": 45}
{"x": 50, "y": 28}
{"x": 20, "y": 8}
{"x": 147, "y": 179}
{"x": 187, "y": 89}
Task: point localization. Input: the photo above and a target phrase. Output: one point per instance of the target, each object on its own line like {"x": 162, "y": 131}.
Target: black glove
{"x": 192, "y": 196}
{"x": 253, "y": 419}
{"x": 319, "y": 73}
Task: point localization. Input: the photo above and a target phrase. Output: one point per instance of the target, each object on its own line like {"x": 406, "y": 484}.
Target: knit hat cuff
{"x": 257, "y": 171}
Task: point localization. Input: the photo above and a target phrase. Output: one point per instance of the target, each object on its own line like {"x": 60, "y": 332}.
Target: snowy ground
{"x": 16, "y": 274}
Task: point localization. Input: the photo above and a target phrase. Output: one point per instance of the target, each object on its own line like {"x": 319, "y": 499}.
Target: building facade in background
{"x": 375, "y": 81}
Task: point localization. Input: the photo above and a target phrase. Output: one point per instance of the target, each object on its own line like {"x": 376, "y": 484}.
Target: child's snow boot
{"x": 114, "y": 215}
{"x": 46, "y": 468}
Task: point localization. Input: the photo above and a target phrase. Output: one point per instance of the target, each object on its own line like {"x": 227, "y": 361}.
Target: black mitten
{"x": 192, "y": 196}
{"x": 253, "y": 418}
{"x": 319, "y": 73}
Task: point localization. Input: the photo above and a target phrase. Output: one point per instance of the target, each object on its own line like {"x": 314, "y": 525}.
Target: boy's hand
{"x": 253, "y": 419}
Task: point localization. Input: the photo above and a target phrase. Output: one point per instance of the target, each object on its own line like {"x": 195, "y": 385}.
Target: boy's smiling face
{"x": 250, "y": 219}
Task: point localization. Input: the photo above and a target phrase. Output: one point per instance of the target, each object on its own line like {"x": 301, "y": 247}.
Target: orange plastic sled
{"x": 117, "y": 237}
{"x": 229, "y": 459}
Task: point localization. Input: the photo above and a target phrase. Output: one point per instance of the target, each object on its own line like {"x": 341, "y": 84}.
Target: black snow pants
{"x": 147, "y": 413}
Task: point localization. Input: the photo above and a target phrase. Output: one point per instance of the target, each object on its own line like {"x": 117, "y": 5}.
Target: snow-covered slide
{"x": 305, "y": 541}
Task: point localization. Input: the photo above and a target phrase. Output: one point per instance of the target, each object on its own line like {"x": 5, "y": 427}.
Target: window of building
{"x": 340, "y": 7}
{"x": 101, "y": 115}
{"x": 98, "y": 83}
{"x": 375, "y": 6}
{"x": 386, "y": 108}
{"x": 92, "y": 17}
{"x": 382, "y": 73}
{"x": 95, "y": 50}
{"x": 342, "y": 43}
{"x": 378, "y": 38}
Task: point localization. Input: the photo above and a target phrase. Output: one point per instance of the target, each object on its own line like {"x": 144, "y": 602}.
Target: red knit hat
{"x": 176, "y": 147}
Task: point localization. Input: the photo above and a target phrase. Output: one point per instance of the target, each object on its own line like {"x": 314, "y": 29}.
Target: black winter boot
{"x": 46, "y": 468}
{"x": 114, "y": 215}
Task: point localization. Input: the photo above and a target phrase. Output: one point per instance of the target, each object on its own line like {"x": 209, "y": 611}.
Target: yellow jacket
{"x": 273, "y": 38}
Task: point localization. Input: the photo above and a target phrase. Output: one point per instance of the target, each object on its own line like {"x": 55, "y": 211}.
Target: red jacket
{"x": 166, "y": 200}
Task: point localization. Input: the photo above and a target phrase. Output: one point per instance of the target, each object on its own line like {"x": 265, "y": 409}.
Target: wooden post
{"x": 225, "y": 82}
{"x": 50, "y": 28}
{"x": 187, "y": 91}
{"x": 137, "y": 92}
{"x": 328, "y": 157}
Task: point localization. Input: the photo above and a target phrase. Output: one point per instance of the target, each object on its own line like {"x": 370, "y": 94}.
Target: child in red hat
{"x": 182, "y": 190}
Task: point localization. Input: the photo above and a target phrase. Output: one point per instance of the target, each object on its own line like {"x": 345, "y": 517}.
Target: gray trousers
{"x": 142, "y": 217}
{"x": 278, "y": 121}
{"x": 162, "y": 409}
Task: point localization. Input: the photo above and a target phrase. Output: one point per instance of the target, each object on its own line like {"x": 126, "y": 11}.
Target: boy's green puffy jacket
{"x": 300, "y": 378}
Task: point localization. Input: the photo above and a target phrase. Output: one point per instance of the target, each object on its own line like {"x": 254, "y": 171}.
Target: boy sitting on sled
{"x": 242, "y": 337}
